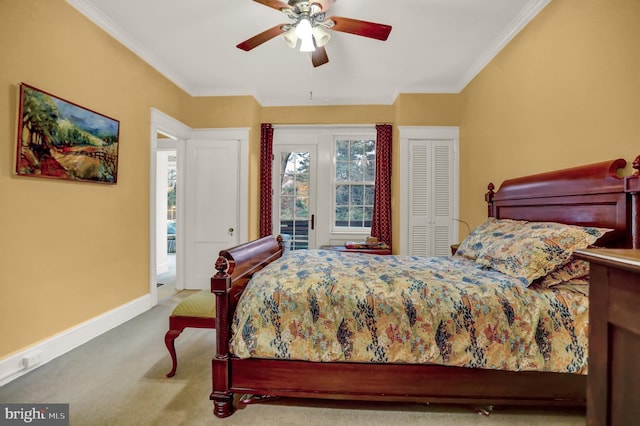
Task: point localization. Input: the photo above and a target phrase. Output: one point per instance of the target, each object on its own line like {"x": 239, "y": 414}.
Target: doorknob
{"x": 231, "y": 231}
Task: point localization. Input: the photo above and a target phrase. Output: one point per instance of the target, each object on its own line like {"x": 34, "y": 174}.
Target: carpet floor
{"x": 119, "y": 378}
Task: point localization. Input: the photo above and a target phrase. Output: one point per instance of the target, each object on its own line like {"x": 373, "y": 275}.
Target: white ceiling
{"x": 436, "y": 46}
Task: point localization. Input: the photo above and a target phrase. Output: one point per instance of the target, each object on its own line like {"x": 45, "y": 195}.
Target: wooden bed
{"x": 592, "y": 195}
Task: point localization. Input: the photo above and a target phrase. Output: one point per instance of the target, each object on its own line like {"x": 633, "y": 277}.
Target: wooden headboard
{"x": 591, "y": 195}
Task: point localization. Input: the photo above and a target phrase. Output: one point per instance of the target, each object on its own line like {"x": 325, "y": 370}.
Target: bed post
{"x": 632, "y": 186}
{"x": 220, "y": 365}
{"x": 488, "y": 197}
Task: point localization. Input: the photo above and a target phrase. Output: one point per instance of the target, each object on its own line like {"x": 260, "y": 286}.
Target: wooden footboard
{"x": 235, "y": 268}
{"x": 591, "y": 195}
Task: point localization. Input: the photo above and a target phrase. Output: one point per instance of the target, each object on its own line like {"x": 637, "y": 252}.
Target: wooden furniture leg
{"x": 196, "y": 311}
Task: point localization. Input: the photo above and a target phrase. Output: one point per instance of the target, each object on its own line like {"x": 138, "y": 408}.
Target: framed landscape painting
{"x": 61, "y": 140}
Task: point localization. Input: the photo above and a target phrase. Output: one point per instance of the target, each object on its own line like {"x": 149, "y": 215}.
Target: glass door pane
{"x": 294, "y": 199}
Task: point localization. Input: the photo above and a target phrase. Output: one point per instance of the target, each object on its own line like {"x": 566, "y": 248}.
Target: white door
{"x": 212, "y": 195}
{"x": 429, "y": 194}
{"x": 430, "y": 198}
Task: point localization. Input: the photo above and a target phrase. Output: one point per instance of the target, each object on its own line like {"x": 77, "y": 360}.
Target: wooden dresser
{"x": 613, "y": 385}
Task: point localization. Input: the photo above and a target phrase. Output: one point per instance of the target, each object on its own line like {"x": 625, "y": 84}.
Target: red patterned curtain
{"x": 266, "y": 199}
{"x": 381, "y": 222}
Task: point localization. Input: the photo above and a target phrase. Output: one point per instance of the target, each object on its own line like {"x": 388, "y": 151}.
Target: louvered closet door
{"x": 430, "y": 197}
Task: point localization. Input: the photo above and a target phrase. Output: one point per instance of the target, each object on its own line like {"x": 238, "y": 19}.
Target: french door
{"x": 294, "y": 197}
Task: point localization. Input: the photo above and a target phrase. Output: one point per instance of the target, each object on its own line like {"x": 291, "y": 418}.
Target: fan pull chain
{"x": 310, "y": 84}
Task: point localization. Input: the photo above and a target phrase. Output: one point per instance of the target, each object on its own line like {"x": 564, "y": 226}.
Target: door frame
{"x": 164, "y": 124}
{"x": 179, "y": 133}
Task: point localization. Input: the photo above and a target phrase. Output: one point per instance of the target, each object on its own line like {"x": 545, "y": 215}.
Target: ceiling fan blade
{"x": 361, "y": 28}
{"x": 258, "y": 39}
{"x": 324, "y": 4}
{"x": 319, "y": 57}
{"x": 274, "y": 4}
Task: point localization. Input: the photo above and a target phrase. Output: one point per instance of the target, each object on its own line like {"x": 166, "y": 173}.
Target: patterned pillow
{"x": 575, "y": 272}
{"x": 574, "y": 287}
{"x": 481, "y": 237}
{"x": 536, "y": 248}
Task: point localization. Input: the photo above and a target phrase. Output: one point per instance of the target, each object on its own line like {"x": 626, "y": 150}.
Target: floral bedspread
{"x": 328, "y": 306}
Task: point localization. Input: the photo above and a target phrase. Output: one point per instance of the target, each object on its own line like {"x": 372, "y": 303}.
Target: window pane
{"x": 355, "y": 171}
{"x": 301, "y": 162}
{"x": 287, "y": 184}
{"x": 357, "y": 150}
{"x": 286, "y": 208}
{"x": 369, "y": 194}
{"x": 342, "y": 150}
{"x": 357, "y": 196}
{"x": 302, "y": 185}
{"x": 342, "y": 195}
{"x": 302, "y": 208}
{"x": 342, "y": 216}
{"x": 370, "y": 149}
{"x": 355, "y": 216}
{"x": 342, "y": 170}
{"x": 370, "y": 171}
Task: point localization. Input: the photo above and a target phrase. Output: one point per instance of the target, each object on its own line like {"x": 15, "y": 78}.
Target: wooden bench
{"x": 196, "y": 311}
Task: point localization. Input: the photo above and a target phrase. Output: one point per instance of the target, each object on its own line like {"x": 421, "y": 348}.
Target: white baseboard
{"x": 22, "y": 362}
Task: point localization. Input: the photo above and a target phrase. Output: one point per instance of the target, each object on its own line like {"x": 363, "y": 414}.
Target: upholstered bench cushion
{"x": 198, "y": 311}
{"x": 201, "y": 305}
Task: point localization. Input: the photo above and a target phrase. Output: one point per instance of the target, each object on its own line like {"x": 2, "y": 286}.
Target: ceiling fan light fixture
{"x": 303, "y": 29}
{"x": 290, "y": 38}
{"x": 305, "y": 33}
{"x": 321, "y": 35}
{"x": 306, "y": 45}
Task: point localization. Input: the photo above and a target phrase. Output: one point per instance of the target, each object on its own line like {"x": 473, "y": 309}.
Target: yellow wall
{"x": 71, "y": 251}
{"x": 428, "y": 110}
{"x": 564, "y": 92}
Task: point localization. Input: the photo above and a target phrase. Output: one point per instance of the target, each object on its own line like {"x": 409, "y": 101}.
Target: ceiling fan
{"x": 309, "y": 25}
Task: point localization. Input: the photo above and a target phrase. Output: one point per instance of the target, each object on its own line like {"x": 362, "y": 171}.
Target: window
{"x": 355, "y": 170}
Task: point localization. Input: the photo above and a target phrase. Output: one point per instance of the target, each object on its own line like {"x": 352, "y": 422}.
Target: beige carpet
{"x": 119, "y": 379}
